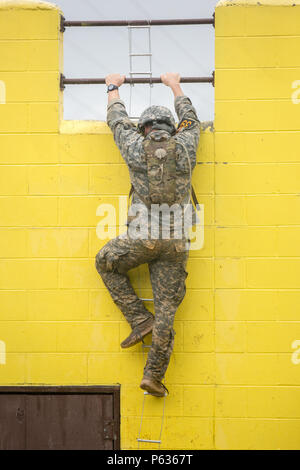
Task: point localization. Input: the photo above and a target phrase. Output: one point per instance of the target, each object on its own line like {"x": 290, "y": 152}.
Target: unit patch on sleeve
{"x": 184, "y": 124}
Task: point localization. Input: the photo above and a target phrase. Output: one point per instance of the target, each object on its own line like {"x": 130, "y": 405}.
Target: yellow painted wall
{"x": 234, "y": 377}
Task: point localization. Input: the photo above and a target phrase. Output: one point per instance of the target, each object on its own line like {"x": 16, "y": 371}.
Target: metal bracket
{"x": 109, "y": 430}
{"x": 62, "y": 80}
{"x": 213, "y": 80}
{"x": 214, "y": 20}
{"x": 62, "y": 24}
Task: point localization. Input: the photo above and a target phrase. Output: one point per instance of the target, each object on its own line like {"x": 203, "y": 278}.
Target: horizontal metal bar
{"x": 146, "y": 300}
{"x": 141, "y": 73}
{"x": 101, "y": 81}
{"x": 148, "y": 440}
{"x": 166, "y": 22}
{"x": 141, "y": 54}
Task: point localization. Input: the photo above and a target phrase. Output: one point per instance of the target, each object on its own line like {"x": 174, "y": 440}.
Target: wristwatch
{"x": 112, "y": 87}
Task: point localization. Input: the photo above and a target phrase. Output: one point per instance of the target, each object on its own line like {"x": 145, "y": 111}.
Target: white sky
{"x": 93, "y": 52}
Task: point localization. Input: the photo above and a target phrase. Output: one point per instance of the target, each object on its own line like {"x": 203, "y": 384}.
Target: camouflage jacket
{"x": 130, "y": 143}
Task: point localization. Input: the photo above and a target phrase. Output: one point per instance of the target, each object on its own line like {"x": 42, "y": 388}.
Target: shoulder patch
{"x": 184, "y": 124}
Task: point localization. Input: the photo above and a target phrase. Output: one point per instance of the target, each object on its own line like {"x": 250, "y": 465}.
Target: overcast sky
{"x": 93, "y": 52}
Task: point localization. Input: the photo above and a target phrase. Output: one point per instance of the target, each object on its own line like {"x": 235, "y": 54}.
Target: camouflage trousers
{"x": 166, "y": 260}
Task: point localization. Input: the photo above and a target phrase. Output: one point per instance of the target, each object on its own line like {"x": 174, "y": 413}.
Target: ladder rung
{"x": 141, "y": 54}
{"x": 146, "y": 346}
{"x": 148, "y": 440}
{"x": 147, "y": 393}
{"x": 146, "y": 300}
{"x": 140, "y": 73}
{"x": 133, "y": 27}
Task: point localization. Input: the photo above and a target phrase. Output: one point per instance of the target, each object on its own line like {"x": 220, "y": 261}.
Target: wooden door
{"x": 60, "y": 418}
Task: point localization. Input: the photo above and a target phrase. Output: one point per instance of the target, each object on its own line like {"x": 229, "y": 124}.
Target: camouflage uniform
{"x": 166, "y": 258}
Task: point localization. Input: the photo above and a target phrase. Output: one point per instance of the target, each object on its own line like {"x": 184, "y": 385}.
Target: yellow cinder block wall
{"x": 234, "y": 377}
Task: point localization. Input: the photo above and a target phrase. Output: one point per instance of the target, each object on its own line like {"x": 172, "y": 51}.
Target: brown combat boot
{"x": 138, "y": 333}
{"x": 153, "y": 387}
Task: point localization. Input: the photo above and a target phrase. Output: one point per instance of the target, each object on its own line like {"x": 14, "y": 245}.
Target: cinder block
{"x": 28, "y": 274}
{"x": 257, "y": 146}
{"x": 243, "y": 369}
{"x": 206, "y": 146}
{"x": 13, "y": 180}
{"x": 273, "y": 273}
{"x": 203, "y": 178}
{"x": 256, "y": 115}
{"x": 273, "y": 402}
{"x": 255, "y": 19}
{"x": 283, "y": 209}
{"x": 28, "y": 211}
{"x": 200, "y": 273}
{"x": 231, "y": 402}
{"x": 255, "y": 84}
{"x": 78, "y": 274}
{"x": 288, "y": 303}
{"x": 14, "y": 305}
{"x": 198, "y": 336}
{"x": 57, "y": 242}
{"x": 56, "y": 369}
{"x": 243, "y": 434}
{"x": 43, "y": 117}
{"x": 82, "y": 211}
{"x": 198, "y": 400}
{"x": 113, "y": 368}
{"x": 28, "y": 337}
{"x": 246, "y": 241}
{"x": 30, "y": 55}
{"x": 231, "y": 336}
{"x": 31, "y": 86}
{"x": 254, "y": 52}
{"x": 254, "y": 179}
{"x": 88, "y": 336}
{"x": 29, "y": 24}
{"x": 62, "y": 305}
{"x": 197, "y": 305}
{"x": 289, "y": 432}
{"x": 272, "y": 336}
{"x": 13, "y": 243}
{"x": 191, "y": 368}
{"x": 250, "y": 304}
{"x": 74, "y": 179}
{"x": 14, "y": 117}
{"x": 43, "y": 180}
{"x": 230, "y": 210}
{"x": 230, "y": 273}
{"x": 288, "y": 371}
{"x": 30, "y": 148}
{"x": 288, "y": 241}
{"x": 88, "y": 148}
{"x": 13, "y": 371}
{"x": 109, "y": 179}
{"x": 188, "y": 433}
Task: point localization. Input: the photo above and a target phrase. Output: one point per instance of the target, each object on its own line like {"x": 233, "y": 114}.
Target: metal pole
{"x": 192, "y": 21}
{"x": 101, "y": 81}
